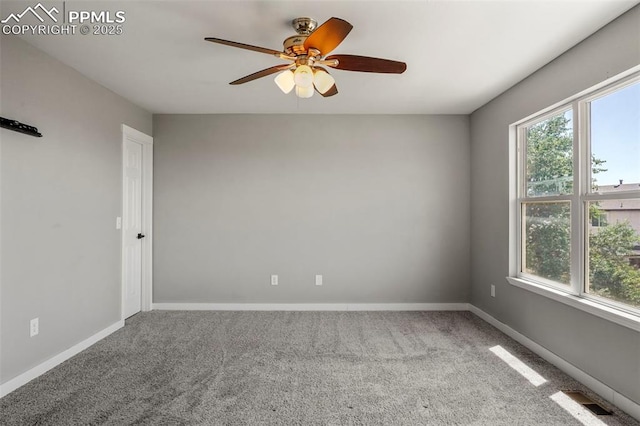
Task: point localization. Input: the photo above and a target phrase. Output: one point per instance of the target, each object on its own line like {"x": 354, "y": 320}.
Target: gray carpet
{"x": 306, "y": 368}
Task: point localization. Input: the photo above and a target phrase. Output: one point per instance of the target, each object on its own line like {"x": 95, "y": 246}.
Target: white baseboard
{"x": 40, "y": 369}
{"x": 625, "y": 404}
{"x": 310, "y": 306}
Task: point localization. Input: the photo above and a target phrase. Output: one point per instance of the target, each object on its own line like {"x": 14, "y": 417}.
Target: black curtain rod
{"x": 17, "y": 126}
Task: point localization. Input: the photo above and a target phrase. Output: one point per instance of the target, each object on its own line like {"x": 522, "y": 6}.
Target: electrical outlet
{"x": 274, "y": 280}
{"x": 493, "y": 290}
{"x": 318, "y": 279}
{"x": 118, "y": 222}
{"x": 34, "y": 327}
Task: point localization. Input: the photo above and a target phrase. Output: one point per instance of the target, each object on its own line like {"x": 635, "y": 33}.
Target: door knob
{"x": 140, "y": 236}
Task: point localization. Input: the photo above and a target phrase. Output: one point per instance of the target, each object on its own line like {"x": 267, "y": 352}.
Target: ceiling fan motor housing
{"x": 304, "y": 26}
{"x": 294, "y": 45}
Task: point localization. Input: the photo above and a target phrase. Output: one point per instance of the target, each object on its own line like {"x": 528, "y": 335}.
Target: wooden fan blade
{"x": 259, "y": 74}
{"x": 367, "y": 64}
{"x": 244, "y": 46}
{"x": 328, "y": 36}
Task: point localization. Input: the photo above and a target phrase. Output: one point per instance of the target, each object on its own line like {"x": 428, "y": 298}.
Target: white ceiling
{"x": 460, "y": 54}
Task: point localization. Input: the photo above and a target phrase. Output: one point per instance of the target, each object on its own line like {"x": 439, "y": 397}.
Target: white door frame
{"x": 146, "y": 141}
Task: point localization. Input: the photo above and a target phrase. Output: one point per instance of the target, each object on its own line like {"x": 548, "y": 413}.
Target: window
{"x": 578, "y": 198}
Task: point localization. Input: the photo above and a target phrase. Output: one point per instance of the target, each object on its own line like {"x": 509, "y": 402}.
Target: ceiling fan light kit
{"x": 322, "y": 81}
{"x": 285, "y": 81}
{"x": 303, "y": 76}
{"x": 304, "y": 92}
{"x": 307, "y": 52}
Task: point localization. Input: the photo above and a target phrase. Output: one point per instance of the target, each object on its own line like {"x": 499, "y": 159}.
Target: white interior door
{"x": 132, "y": 232}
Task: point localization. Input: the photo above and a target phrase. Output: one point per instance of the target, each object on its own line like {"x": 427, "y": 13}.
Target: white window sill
{"x": 609, "y": 313}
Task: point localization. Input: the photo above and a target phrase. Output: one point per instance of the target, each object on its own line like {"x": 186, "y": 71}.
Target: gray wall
{"x": 379, "y": 205}
{"x": 60, "y": 196}
{"x": 608, "y": 352}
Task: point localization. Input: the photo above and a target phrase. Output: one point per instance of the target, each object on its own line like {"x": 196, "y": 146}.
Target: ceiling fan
{"x": 308, "y": 52}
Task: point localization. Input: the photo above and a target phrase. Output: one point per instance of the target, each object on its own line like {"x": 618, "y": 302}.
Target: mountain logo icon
{"x": 34, "y": 11}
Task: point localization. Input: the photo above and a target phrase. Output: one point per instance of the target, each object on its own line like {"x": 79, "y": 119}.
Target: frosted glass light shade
{"x": 304, "y": 92}
{"x": 285, "y": 81}
{"x": 303, "y": 76}
{"x": 323, "y": 81}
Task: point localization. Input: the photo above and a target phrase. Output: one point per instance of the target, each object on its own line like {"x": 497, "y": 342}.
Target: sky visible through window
{"x": 615, "y": 135}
